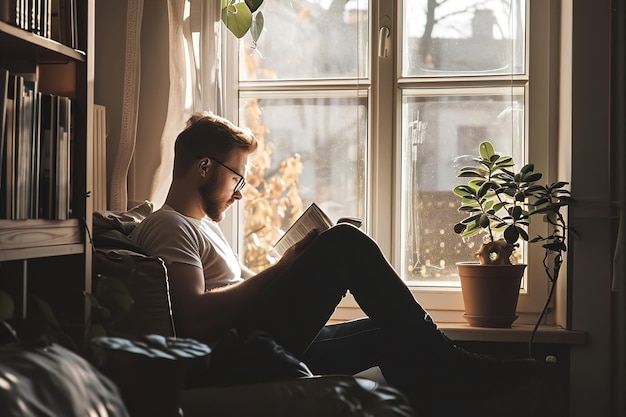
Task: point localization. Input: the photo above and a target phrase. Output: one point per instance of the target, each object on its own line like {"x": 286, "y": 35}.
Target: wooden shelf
{"x": 27, "y": 46}
{"x": 41, "y": 252}
{"x": 25, "y": 239}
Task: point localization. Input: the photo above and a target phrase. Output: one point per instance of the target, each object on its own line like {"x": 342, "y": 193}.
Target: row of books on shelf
{"x": 54, "y": 19}
{"x": 35, "y": 150}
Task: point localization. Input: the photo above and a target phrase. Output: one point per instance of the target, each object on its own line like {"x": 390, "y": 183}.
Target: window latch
{"x": 384, "y": 41}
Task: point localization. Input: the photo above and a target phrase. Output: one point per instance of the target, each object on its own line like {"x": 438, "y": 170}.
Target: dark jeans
{"x": 396, "y": 335}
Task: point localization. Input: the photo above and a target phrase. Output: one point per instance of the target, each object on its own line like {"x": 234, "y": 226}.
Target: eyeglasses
{"x": 242, "y": 181}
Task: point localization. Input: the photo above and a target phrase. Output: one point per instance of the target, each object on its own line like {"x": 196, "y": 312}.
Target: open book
{"x": 312, "y": 218}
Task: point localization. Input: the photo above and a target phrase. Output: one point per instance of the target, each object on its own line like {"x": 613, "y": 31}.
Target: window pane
{"x": 312, "y": 150}
{"x": 463, "y": 37}
{"x": 440, "y": 135}
{"x": 308, "y": 40}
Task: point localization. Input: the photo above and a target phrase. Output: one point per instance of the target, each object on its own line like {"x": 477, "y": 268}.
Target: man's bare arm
{"x": 207, "y": 315}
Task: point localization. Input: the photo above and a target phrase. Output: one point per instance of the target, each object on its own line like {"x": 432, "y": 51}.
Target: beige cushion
{"x": 124, "y": 221}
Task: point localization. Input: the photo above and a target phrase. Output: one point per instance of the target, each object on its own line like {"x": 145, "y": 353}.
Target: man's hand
{"x": 297, "y": 249}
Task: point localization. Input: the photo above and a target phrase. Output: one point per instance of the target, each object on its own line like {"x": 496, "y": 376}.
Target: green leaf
{"x": 527, "y": 168}
{"x": 257, "y": 26}
{"x": 463, "y": 190}
{"x": 484, "y": 188}
{"x": 471, "y": 230}
{"x": 511, "y": 234}
{"x": 498, "y": 206}
{"x": 470, "y": 201}
{"x": 516, "y": 212}
{"x": 500, "y": 225}
{"x": 253, "y": 5}
{"x": 523, "y": 233}
{"x": 225, "y": 3}
{"x": 552, "y": 217}
{"x": 237, "y": 18}
{"x": 459, "y": 228}
{"x": 535, "y": 189}
{"x": 504, "y": 161}
{"x": 469, "y": 172}
{"x": 536, "y": 176}
{"x": 486, "y": 150}
{"x": 556, "y": 246}
{"x": 483, "y": 221}
{"x": 486, "y": 163}
{"x": 7, "y": 306}
{"x": 559, "y": 184}
{"x": 509, "y": 191}
{"x": 470, "y": 219}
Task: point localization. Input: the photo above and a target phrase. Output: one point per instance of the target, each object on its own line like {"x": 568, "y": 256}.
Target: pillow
{"x": 145, "y": 276}
{"x": 147, "y": 281}
{"x": 114, "y": 239}
{"x": 124, "y": 221}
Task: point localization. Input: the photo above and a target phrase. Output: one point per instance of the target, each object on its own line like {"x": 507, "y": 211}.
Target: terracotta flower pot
{"x": 490, "y": 293}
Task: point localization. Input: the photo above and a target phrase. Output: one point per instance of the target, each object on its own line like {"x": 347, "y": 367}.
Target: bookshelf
{"x": 49, "y": 254}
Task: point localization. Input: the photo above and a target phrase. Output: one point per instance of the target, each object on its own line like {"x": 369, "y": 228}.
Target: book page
{"x": 312, "y": 218}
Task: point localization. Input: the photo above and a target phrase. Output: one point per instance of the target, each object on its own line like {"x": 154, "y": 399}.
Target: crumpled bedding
{"x": 53, "y": 381}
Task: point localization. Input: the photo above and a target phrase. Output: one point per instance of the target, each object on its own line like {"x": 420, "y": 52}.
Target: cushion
{"x": 115, "y": 239}
{"x": 145, "y": 276}
{"x": 53, "y": 381}
{"x": 124, "y": 221}
{"x": 146, "y": 280}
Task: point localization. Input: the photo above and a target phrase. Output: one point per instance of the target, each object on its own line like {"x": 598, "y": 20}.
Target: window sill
{"x": 517, "y": 333}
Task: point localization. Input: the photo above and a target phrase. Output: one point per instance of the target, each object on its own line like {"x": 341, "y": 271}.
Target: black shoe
{"x": 459, "y": 373}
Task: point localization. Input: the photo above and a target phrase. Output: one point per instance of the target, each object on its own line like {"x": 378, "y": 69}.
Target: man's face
{"x": 217, "y": 191}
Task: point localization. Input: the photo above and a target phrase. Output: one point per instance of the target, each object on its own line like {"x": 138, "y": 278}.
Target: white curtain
{"x": 164, "y": 82}
{"x": 118, "y": 195}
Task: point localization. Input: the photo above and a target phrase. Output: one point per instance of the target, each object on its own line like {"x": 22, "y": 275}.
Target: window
{"x": 368, "y": 109}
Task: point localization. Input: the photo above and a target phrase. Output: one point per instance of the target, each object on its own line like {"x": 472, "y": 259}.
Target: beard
{"x": 211, "y": 202}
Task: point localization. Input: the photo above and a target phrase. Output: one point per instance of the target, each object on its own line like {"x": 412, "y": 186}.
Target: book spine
{"x": 35, "y": 150}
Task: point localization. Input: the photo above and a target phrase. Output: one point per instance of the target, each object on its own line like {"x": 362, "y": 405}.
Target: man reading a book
{"x": 291, "y": 301}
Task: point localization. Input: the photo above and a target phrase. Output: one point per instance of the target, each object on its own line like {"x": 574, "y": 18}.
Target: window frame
{"x": 541, "y": 83}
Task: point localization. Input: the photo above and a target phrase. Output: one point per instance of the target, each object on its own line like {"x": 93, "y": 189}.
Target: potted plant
{"x": 500, "y": 203}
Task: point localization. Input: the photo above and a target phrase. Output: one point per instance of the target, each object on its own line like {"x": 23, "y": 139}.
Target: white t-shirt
{"x": 177, "y": 238}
